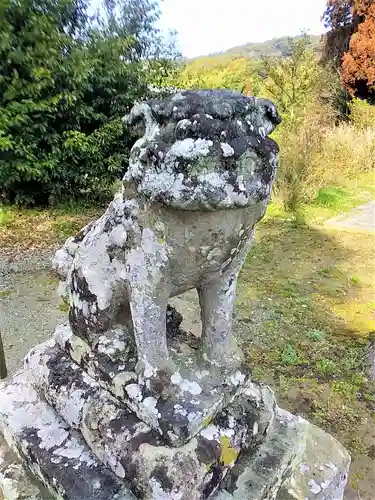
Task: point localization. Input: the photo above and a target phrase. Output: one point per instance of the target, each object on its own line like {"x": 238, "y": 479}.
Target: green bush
{"x": 65, "y": 84}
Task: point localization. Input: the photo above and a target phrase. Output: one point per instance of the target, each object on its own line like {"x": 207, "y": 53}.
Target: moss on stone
{"x": 228, "y": 453}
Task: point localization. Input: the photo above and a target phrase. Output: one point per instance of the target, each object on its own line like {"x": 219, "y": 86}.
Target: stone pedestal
{"x": 87, "y": 430}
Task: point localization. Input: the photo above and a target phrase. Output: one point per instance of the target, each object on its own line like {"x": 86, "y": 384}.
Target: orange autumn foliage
{"x": 358, "y": 65}
{"x": 350, "y": 44}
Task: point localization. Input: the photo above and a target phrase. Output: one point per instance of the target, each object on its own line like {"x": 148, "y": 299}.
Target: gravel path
{"x": 29, "y": 305}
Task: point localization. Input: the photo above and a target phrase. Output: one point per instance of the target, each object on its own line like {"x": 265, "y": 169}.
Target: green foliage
{"x": 291, "y": 81}
{"x": 6, "y": 217}
{"x": 65, "y": 83}
{"x": 326, "y": 367}
{"x": 301, "y": 139}
{"x": 65, "y": 228}
{"x": 239, "y": 68}
{"x": 316, "y": 335}
{"x": 289, "y": 356}
{"x": 236, "y": 73}
{"x": 362, "y": 114}
{"x": 332, "y": 197}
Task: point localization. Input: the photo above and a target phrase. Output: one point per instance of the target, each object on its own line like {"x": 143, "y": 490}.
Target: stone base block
{"x": 55, "y": 454}
{"x": 296, "y": 461}
{"x": 136, "y": 452}
{"x": 176, "y": 404}
{"x": 82, "y": 443}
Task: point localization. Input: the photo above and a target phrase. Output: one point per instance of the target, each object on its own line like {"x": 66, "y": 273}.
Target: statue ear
{"x": 140, "y": 121}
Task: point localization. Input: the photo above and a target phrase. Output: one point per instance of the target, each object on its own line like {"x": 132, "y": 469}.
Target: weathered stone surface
{"x": 15, "y": 484}
{"x": 322, "y": 470}
{"x": 204, "y": 150}
{"x": 260, "y": 451}
{"x": 136, "y": 452}
{"x": 55, "y": 454}
{"x": 176, "y": 404}
{"x": 295, "y": 461}
{"x": 198, "y": 181}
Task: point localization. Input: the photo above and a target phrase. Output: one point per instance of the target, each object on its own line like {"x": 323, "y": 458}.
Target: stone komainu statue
{"x": 199, "y": 179}
{"x": 106, "y": 409}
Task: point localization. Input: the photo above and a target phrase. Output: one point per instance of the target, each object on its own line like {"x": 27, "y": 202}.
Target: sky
{"x": 207, "y": 26}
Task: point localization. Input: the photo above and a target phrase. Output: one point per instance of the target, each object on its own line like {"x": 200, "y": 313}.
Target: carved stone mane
{"x": 203, "y": 150}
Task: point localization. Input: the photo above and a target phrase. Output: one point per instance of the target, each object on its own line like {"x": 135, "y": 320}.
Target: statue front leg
{"x": 148, "y": 311}
{"x": 149, "y": 292}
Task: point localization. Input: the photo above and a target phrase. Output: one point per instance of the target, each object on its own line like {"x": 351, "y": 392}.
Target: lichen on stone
{"x": 178, "y": 172}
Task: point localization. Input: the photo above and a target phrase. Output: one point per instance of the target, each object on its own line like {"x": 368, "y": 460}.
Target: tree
{"x": 291, "y": 81}
{"x": 37, "y": 54}
{"x": 233, "y": 72}
{"x": 358, "y": 65}
{"x": 65, "y": 83}
{"x": 349, "y": 43}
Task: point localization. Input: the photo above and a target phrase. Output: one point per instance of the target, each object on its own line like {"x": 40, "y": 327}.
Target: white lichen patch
{"x": 180, "y": 410}
{"x": 22, "y": 410}
{"x": 118, "y": 236}
{"x": 238, "y": 378}
{"x": 255, "y": 428}
{"x": 186, "y": 385}
{"x": 71, "y": 449}
{"x": 315, "y": 488}
{"x": 70, "y": 407}
{"x": 189, "y": 149}
{"x": 226, "y": 149}
{"x": 119, "y": 382}
{"x": 183, "y": 124}
{"x": 202, "y": 374}
{"x": 159, "y": 494}
{"x": 134, "y": 391}
{"x": 211, "y": 432}
{"x": 62, "y": 261}
{"x": 176, "y": 378}
{"x": 150, "y": 403}
{"x": 304, "y": 468}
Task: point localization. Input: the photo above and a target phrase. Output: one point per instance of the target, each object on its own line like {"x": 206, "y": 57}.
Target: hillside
{"x": 274, "y": 47}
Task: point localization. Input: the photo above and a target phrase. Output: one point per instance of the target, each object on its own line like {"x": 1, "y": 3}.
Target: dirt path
{"x": 29, "y": 305}
{"x": 361, "y": 218}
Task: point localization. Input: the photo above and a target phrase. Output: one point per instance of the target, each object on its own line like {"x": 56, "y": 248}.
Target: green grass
{"x": 333, "y": 197}
{"x": 32, "y": 228}
{"x": 6, "y": 216}
{"x": 305, "y": 313}
{"x": 64, "y": 228}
